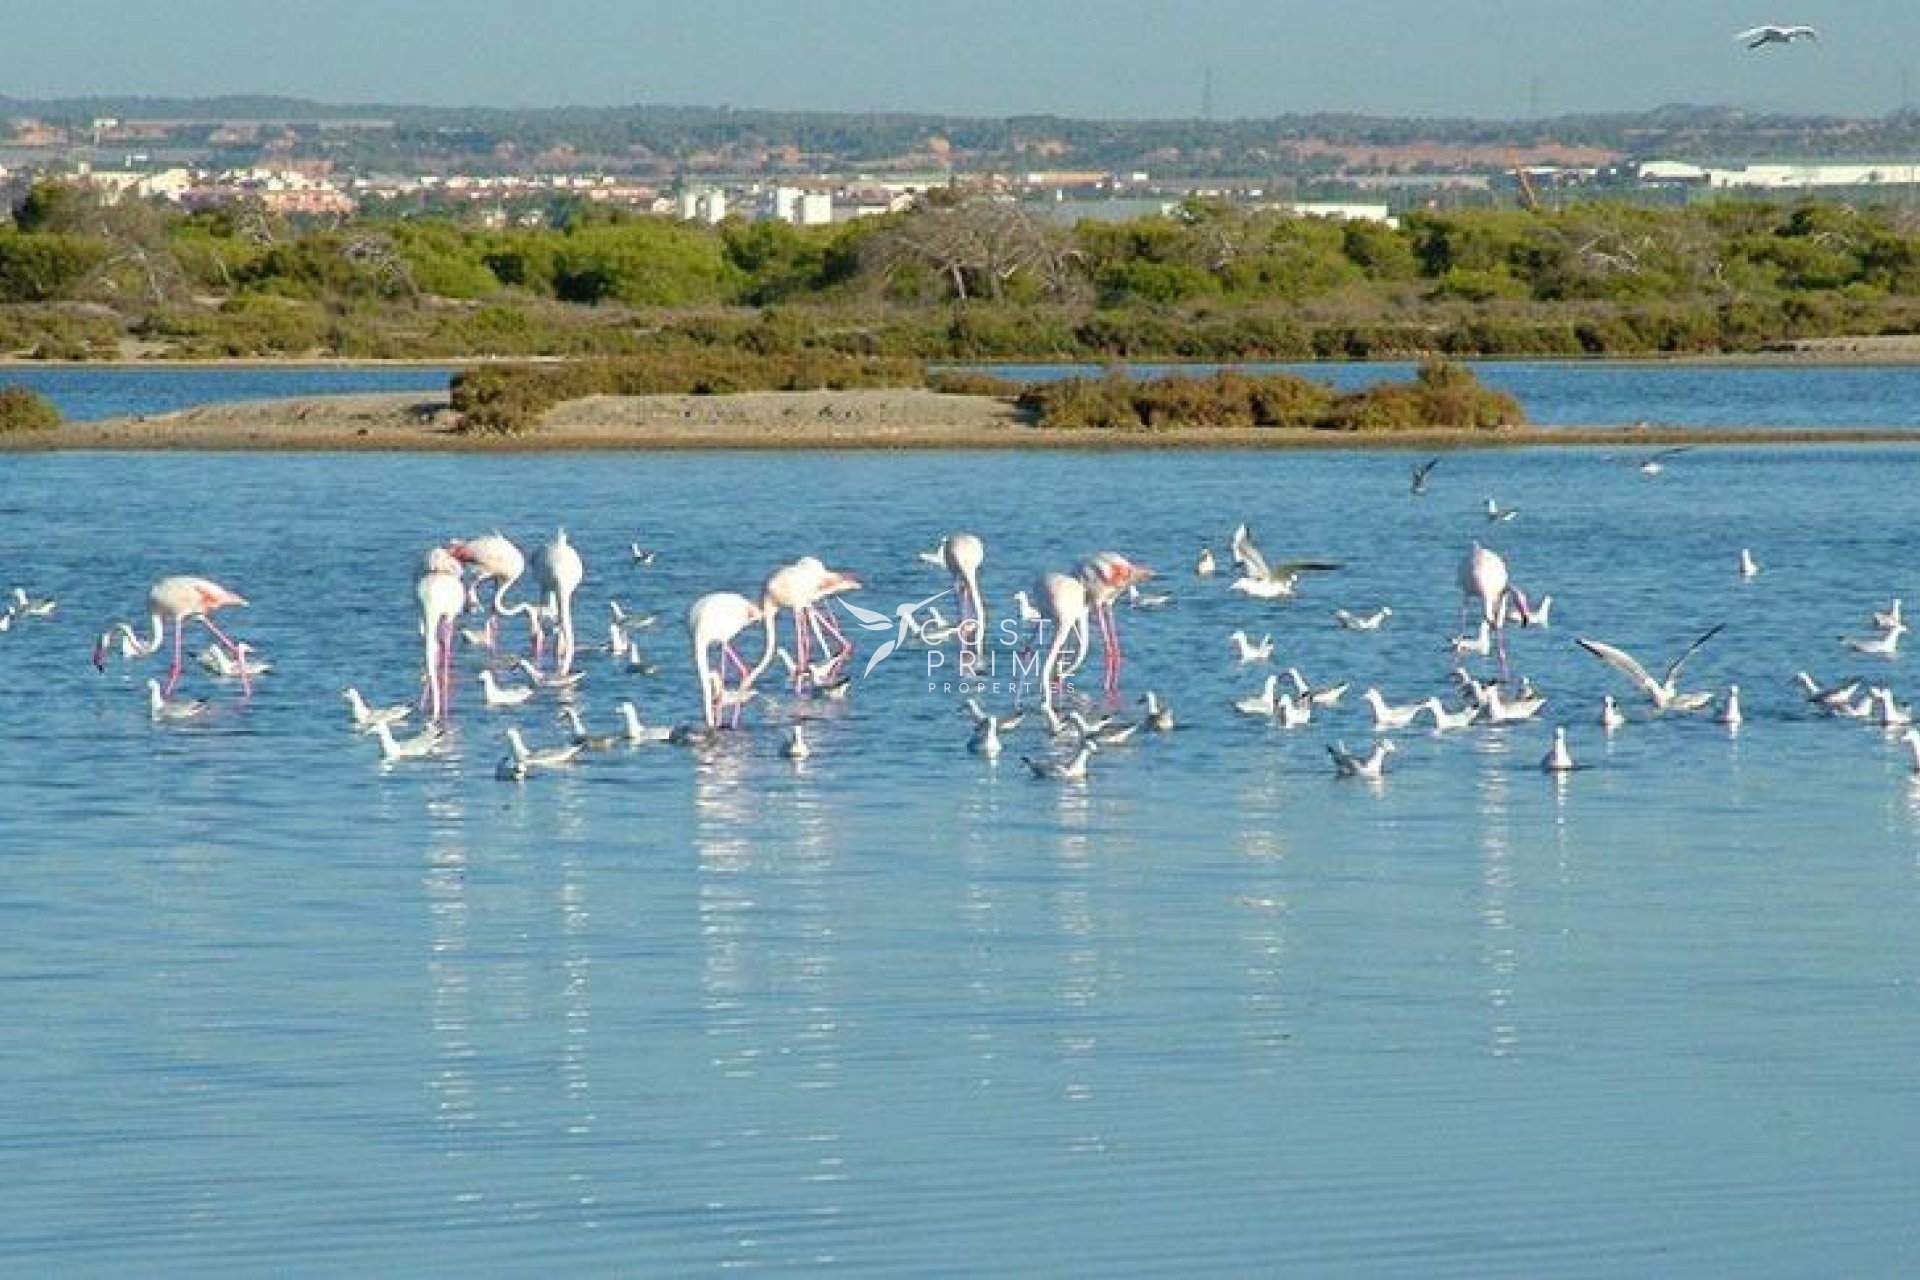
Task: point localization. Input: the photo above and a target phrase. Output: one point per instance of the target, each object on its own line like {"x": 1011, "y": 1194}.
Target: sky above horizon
{"x": 1505, "y": 59}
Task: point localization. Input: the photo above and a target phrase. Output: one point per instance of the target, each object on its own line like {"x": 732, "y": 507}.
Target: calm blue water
{"x": 88, "y": 393}
{"x": 1611, "y": 393}
{"x": 898, "y": 1011}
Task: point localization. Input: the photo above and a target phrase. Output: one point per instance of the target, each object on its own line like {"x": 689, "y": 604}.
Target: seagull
{"x": 1070, "y": 770}
{"x": 1362, "y": 622}
{"x": 1654, "y": 463}
{"x": 1248, "y": 651}
{"x": 1497, "y": 514}
{"x": 1006, "y": 724}
{"x": 1749, "y": 567}
{"x": 1445, "y": 720}
{"x": 365, "y": 717}
{"x": 1611, "y": 717}
{"x": 1754, "y": 37}
{"x": 1887, "y": 713}
{"x": 1479, "y": 645}
{"x": 161, "y": 707}
{"x": 1388, "y": 717}
{"x": 233, "y": 666}
{"x": 27, "y": 606}
{"x": 1159, "y": 714}
{"x": 1831, "y": 697}
{"x": 637, "y": 732}
{"x": 1291, "y": 714}
{"x": 1028, "y": 614}
{"x": 417, "y": 747}
{"x": 1889, "y": 618}
{"x": 1421, "y": 470}
{"x": 588, "y": 741}
{"x": 936, "y": 555}
{"x": 1884, "y": 645}
{"x": 986, "y": 738}
{"x": 1372, "y": 766}
{"x": 1499, "y": 709}
{"x": 1558, "y": 759}
{"x": 1203, "y": 565}
{"x": 1105, "y": 732}
{"x": 644, "y": 556}
{"x": 1138, "y": 599}
{"x": 1259, "y": 704}
{"x": 1262, "y": 580}
{"x": 795, "y": 747}
{"x": 1325, "y": 696}
{"x": 546, "y": 758}
{"x": 1664, "y": 692}
{"x": 1730, "y": 709}
{"x": 494, "y": 694}
{"x": 631, "y": 621}
{"x": 1913, "y": 749}
{"x": 1533, "y": 613}
{"x": 540, "y": 680}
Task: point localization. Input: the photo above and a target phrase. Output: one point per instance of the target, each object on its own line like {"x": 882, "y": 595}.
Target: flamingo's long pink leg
{"x": 233, "y": 651}
{"x": 173, "y": 672}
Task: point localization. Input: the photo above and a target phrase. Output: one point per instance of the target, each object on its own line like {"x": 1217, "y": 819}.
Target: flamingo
{"x": 1106, "y": 575}
{"x": 800, "y": 587}
{"x": 715, "y": 620}
{"x": 1483, "y": 577}
{"x": 496, "y": 559}
{"x": 1063, "y": 606}
{"x": 441, "y": 595}
{"x": 963, "y": 554}
{"x": 176, "y": 600}
{"x": 558, "y": 569}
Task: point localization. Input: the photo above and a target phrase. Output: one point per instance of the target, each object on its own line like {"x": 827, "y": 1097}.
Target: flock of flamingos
{"x": 465, "y": 591}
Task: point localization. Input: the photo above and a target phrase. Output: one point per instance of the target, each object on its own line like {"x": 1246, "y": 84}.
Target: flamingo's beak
{"x": 100, "y": 654}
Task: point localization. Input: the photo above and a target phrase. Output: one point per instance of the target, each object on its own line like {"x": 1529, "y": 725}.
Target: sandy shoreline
{"x": 863, "y": 419}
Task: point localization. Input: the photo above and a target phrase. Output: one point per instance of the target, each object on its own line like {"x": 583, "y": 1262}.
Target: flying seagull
{"x": 1754, "y": 37}
{"x": 1665, "y": 692}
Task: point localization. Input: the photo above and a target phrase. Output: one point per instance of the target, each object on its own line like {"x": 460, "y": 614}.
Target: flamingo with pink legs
{"x": 1483, "y": 577}
{"x": 714, "y": 621}
{"x": 175, "y": 601}
{"x": 1107, "y": 575}
{"x": 799, "y": 588}
{"x": 558, "y": 569}
{"x": 496, "y": 559}
{"x": 1063, "y": 607}
{"x": 964, "y": 553}
{"x": 441, "y": 595}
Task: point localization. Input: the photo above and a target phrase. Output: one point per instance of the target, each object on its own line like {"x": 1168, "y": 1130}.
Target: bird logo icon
{"x": 900, "y": 624}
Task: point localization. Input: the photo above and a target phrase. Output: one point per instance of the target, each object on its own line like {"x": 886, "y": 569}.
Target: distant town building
{"x": 1780, "y": 177}
{"x": 703, "y": 204}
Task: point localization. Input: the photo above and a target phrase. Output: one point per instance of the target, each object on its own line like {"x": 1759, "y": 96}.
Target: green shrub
{"x": 22, "y": 409}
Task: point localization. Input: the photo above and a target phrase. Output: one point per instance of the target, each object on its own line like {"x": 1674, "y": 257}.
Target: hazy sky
{"x": 1133, "y": 58}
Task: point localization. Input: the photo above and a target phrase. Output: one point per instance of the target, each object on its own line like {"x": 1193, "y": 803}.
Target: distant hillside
{"x": 694, "y": 138}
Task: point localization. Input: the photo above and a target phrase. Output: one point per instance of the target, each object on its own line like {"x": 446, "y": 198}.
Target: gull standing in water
{"x": 1730, "y": 713}
{"x": 1203, "y": 565}
{"x": 365, "y": 717}
{"x": 161, "y": 707}
{"x": 1370, "y": 767}
{"x": 420, "y": 745}
{"x": 1664, "y": 693}
{"x": 1159, "y": 717}
{"x": 1362, "y": 621}
{"x": 1884, "y": 645}
{"x": 1388, "y": 717}
{"x": 1558, "y": 759}
{"x": 1259, "y": 704}
{"x": 495, "y": 694}
{"x": 1611, "y": 717}
{"x": 1072, "y": 769}
{"x": 637, "y": 732}
{"x": 1749, "y": 567}
{"x": 795, "y": 747}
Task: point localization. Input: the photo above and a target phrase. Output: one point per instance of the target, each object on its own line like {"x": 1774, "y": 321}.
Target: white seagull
{"x": 1388, "y": 717}
{"x": 1362, "y": 622}
{"x": 1664, "y": 693}
{"x": 1071, "y": 769}
{"x": 795, "y": 747}
{"x": 1749, "y": 567}
{"x": 1497, "y": 514}
{"x": 638, "y": 732}
{"x": 1558, "y": 759}
{"x": 1445, "y": 720}
{"x": 1291, "y": 714}
{"x": 365, "y": 717}
{"x": 1325, "y": 696}
{"x": 1770, "y": 33}
{"x": 417, "y": 747}
{"x": 1159, "y": 714}
{"x": 1259, "y": 704}
{"x": 495, "y": 694}
{"x": 1611, "y": 717}
{"x": 1834, "y": 697}
{"x": 1887, "y": 713}
{"x": 986, "y": 738}
{"x": 161, "y": 707}
{"x": 1247, "y": 650}
{"x": 1372, "y": 766}
{"x": 1884, "y": 645}
{"x": 27, "y": 606}
{"x": 1478, "y": 646}
{"x": 1203, "y": 565}
{"x": 1730, "y": 714}
{"x": 232, "y": 666}
{"x": 1889, "y": 618}
{"x": 1265, "y": 581}
{"x": 527, "y": 759}
{"x": 577, "y": 732}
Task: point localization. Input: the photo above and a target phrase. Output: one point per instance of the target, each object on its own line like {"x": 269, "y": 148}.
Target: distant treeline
{"x": 961, "y": 277}
{"x": 684, "y": 138}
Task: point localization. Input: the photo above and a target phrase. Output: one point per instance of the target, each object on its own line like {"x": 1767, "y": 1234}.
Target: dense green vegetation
{"x": 963, "y": 277}
{"x": 23, "y": 409}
